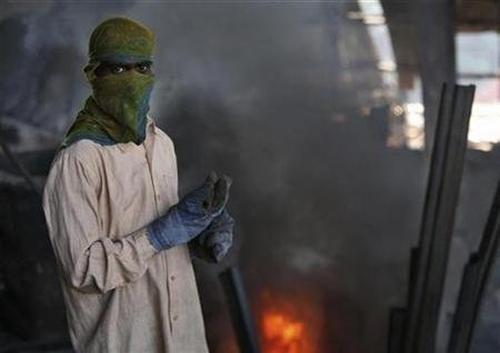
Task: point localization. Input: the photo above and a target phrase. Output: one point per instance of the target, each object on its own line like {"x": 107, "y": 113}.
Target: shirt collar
{"x": 150, "y": 125}
{"x": 150, "y": 129}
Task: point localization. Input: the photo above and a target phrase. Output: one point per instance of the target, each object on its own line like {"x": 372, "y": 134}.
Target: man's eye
{"x": 144, "y": 68}
{"x": 117, "y": 69}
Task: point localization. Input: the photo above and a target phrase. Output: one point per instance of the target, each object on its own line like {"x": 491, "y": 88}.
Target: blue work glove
{"x": 191, "y": 215}
{"x": 216, "y": 240}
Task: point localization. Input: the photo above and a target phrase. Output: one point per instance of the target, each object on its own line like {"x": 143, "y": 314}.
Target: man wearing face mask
{"x": 118, "y": 230}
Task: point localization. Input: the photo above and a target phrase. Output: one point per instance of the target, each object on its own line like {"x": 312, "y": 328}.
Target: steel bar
{"x": 399, "y": 316}
{"x": 396, "y": 330}
{"x": 240, "y": 311}
{"x": 475, "y": 279}
{"x": 445, "y": 174}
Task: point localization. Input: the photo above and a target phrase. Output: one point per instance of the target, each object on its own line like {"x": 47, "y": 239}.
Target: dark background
{"x": 290, "y": 100}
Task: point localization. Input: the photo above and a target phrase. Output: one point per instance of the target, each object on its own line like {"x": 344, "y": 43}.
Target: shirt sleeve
{"x": 90, "y": 261}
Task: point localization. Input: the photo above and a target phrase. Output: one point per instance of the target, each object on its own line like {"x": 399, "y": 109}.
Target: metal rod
{"x": 475, "y": 278}
{"x": 396, "y": 330}
{"x": 240, "y": 311}
{"x": 445, "y": 174}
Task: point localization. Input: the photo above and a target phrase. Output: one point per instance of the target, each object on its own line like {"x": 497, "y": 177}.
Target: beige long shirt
{"x": 121, "y": 294}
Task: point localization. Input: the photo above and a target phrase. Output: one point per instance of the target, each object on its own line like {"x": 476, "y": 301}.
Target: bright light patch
{"x": 484, "y": 128}
{"x": 414, "y": 126}
{"x": 372, "y": 14}
{"x": 478, "y": 64}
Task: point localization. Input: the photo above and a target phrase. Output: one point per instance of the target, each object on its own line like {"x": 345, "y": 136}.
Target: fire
{"x": 288, "y": 325}
{"x": 282, "y": 334}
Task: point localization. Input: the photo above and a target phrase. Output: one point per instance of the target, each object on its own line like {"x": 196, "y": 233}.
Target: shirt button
{"x": 172, "y": 278}
{"x": 175, "y": 317}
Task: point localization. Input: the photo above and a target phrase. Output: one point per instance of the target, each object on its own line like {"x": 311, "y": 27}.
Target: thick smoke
{"x": 271, "y": 94}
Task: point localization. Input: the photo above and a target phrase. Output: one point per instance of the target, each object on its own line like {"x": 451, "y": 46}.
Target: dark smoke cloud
{"x": 267, "y": 93}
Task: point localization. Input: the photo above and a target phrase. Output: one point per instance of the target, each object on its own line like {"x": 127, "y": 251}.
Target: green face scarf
{"x": 117, "y": 110}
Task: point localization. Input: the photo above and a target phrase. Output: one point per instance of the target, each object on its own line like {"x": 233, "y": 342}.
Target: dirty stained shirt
{"x": 121, "y": 294}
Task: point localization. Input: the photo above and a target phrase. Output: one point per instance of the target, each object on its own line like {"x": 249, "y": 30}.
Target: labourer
{"x": 118, "y": 230}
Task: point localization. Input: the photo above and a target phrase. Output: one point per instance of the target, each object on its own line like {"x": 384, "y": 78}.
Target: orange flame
{"x": 281, "y": 334}
{"x": 288, "y": 327}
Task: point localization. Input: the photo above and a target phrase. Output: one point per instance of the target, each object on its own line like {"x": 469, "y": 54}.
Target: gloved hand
{"x": 191, "y": 215}
{"x": 216, "y": 240}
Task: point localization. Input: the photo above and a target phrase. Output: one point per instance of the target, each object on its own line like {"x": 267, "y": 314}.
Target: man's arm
{"x": 90, "y": 261}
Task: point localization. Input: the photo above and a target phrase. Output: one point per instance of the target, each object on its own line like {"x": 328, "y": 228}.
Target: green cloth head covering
{"x": 116, "y": 112}
{"x": 121, "y": 40}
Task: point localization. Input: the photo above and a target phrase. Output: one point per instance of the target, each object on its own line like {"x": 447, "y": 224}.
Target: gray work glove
{"x": 216, "y": 240}
{"x": 191, "y": 215}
